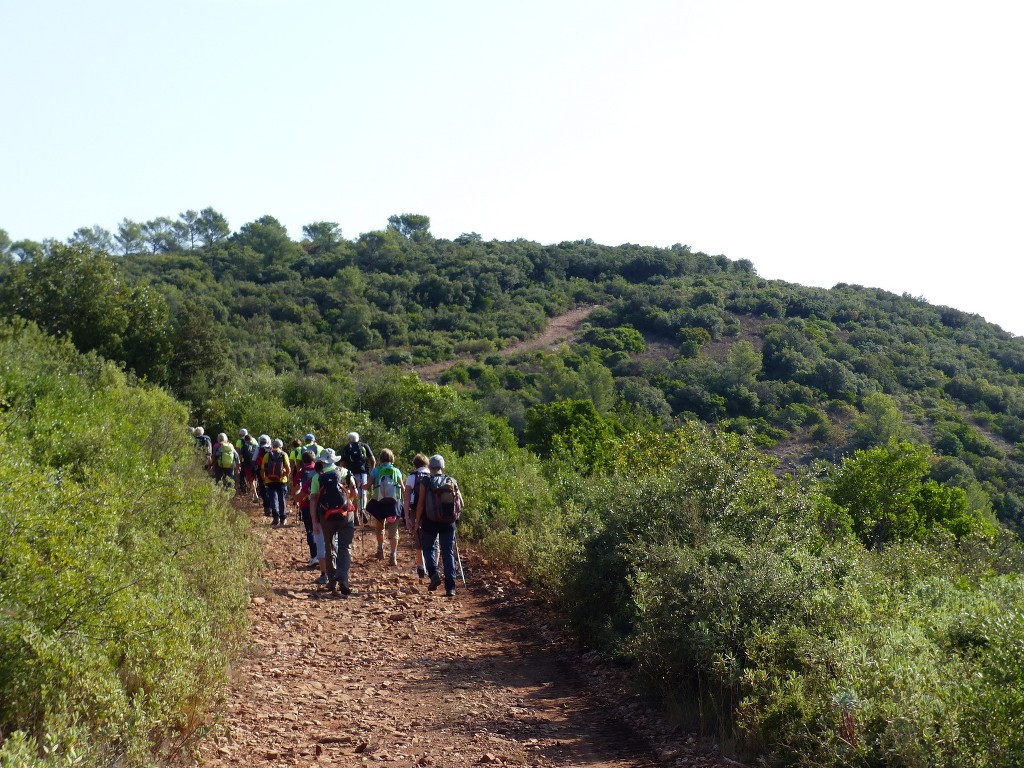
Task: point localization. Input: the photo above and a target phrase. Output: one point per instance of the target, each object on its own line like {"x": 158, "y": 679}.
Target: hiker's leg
{"x": 446, "y": 534}
{"x": 428, "y": 540}
{"x": 329, "y": 553}
{"x": 345, "y": 534}
{"x": 307, "y": 524}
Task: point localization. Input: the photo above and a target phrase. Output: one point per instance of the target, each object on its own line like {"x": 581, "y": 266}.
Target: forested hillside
{"x": 780, "y": 506}
{"x": 806, "y": 372}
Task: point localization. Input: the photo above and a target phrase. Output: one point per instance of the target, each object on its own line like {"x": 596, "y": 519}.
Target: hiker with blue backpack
{"x": 385, "y": 509}
{"x": 438, "y": 506}
{"x": 358, "y": 459}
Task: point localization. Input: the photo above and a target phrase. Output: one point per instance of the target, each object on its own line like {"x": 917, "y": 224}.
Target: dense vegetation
{"x": 123, "y": 574}
{"x": 827, "y": 570}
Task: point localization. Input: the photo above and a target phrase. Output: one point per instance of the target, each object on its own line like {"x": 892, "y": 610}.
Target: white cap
{"x": 243, "y": 432}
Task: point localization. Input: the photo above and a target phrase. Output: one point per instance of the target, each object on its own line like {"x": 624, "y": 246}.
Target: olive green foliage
{"x": 851, "y": 601}
{"x": 889, "y": 496}
{"x": 804, "y": 372}
{"x": 716, "y": 578}
{"x": 122, "y": 570}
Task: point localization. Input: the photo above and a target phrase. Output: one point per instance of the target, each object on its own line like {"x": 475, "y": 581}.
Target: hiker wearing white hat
{"x": 331, "y": 493}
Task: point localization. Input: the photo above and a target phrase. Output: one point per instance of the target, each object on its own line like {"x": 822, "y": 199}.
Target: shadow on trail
{"x": 540, "y": 697}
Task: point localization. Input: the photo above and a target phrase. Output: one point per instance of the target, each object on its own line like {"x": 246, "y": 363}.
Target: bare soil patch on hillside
{"x": 560, "y": 329}
{"x": 394, "y": 675}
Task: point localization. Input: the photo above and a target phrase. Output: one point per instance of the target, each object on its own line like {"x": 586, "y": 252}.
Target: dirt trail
{"x": 558, "y": 329}
{"x": 397, "y": 676}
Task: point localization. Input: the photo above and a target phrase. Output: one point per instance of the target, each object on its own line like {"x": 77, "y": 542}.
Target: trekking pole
{"x": 458, "y": 559}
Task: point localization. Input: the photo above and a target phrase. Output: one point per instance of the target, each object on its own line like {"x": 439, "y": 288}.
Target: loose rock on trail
{"x": 394, "y": 675}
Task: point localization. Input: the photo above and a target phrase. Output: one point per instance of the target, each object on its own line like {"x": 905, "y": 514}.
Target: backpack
{"x": 419, "y": 473}
{"x": 305, "y": 478}
{"x": 333, "y": 499}
{"x": 356, "y": 457}
{"x": 389, "y": 482}
{"x": 225, "y": 457}
{"x": 441, "y": 502}
{"x": 273, "y": 470}
{"x": 204, "y": 444}
{"x": 249, "y": 450}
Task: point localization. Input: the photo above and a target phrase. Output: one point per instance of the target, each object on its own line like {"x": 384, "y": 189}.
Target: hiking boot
{"x": 284, "y": 522}
{"x": 322, "y": 580}
{"x": 421, "y": 571}
{"x": 345, "y": 589}
{"x": 435, "y": 582}
{"x": 394, "y": 557}
{"x": 449, "y": 593}
{"x": 332, "y": 586}
{"x": 313, "y": 563}
{"x": 380, "y": 552}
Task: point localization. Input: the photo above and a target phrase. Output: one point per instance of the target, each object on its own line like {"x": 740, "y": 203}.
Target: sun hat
{"x": 328, "y": 457}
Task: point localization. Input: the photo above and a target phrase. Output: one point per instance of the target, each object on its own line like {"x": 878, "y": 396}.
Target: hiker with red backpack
{"x": 438, "y": 506}
{"x": 276, "y": 470}
{"x": 386, "y": 507}
{"x": 331, "y": 495}
{"x": 304, "y": 474}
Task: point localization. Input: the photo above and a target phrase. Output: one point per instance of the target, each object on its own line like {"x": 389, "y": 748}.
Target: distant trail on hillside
{"x": 559, "y": 329}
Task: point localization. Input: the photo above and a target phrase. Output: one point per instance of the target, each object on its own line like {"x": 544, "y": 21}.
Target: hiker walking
{"x": 225, "y": 460}
{"x": 262, "y": 449}
{"x": 358, "y": 459}
{"x": 438, "y": 505}
{"x": 331, "y": 493}
{"x": 304, "y": 474}
{"x": 204, "y": 446}
{"x": 248, "y": 448}
{"x": 275, "y": 470}
{"x": 386, "y": 507}
{"x": 419, "y": 471}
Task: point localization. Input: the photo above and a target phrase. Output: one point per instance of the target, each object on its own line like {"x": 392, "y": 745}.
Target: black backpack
{"x": 249, "y": 450}
{"x": 332, "y": 499}
{"x": 274, "y": 468}
{"x": 441, "y": 498}
{"x": 356, "y": 457}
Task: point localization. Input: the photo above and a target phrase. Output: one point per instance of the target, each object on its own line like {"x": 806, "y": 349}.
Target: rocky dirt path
{"x": 394, "y": 675}
{"x": 559, "y": 329}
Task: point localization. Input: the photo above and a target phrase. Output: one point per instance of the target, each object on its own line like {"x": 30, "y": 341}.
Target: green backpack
{"x": 226, "y": 457}
{"x": 389, "y": 482}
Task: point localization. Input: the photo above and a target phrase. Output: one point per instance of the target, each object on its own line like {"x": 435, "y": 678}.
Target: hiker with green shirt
{"x": 385, "y": 509}
{"x": 331, "y": 494}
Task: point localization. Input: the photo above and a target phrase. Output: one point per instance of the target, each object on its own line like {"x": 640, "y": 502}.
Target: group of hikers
{"x": 336, "y": 492}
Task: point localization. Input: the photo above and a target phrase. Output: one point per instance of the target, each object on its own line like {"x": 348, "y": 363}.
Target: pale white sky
{"x": 879, "y": 143}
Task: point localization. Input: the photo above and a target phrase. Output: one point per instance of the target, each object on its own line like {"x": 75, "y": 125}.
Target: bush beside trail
{"x": 124, "y": 573}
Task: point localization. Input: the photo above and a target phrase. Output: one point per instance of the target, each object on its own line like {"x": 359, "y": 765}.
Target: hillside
{"x": 808, "y": 373}
{"x": 790, "y": 514}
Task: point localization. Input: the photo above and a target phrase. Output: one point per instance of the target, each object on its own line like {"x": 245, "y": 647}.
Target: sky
{"x": 872, "y": 143}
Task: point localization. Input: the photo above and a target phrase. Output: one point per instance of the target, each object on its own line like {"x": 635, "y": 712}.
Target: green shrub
{"x": 123, "y": 572}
